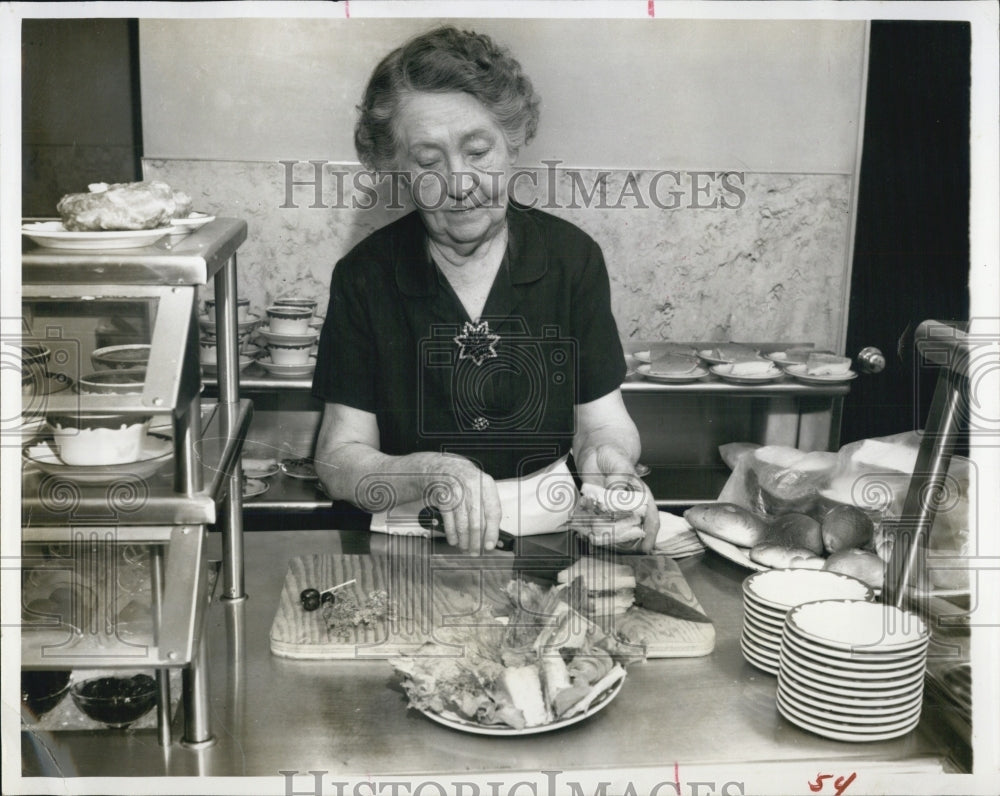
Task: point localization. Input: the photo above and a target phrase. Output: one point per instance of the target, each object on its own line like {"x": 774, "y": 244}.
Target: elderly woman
{"x": 472, "y": 339}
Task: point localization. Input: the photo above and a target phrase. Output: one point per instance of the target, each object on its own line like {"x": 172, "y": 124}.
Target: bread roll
{"x": 780, "y": 557}
{"x": 845, "y": 527}
{"x": 727, "y": 521}
{"x": 796, "y": 530}
{"x": 820, "y": 364}
{"x": 861, "y": 564}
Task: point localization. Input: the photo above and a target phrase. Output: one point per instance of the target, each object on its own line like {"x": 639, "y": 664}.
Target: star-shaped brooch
{"x": 476, "y": 342}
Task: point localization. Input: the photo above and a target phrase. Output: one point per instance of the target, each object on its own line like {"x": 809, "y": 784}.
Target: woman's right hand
{"x": 467, "y": 499}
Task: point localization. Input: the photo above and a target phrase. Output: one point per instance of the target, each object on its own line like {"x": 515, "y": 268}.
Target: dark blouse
{"x": 398, "y": 342}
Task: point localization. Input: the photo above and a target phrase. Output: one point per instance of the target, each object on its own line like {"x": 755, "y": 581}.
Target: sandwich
{"x": 733, "y": 352}
{"x": 756, "y": 367}
{"x": 673, "y": 365}
{"x": 602, "y": 587}
{"x": 821, "y": 364}
{"x": 609, "y": 516}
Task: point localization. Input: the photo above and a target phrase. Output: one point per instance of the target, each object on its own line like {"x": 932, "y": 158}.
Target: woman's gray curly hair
{"x": 444, "y": 59}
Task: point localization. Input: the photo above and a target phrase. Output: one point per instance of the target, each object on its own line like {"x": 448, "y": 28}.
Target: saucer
{"x": 156, "y": 451}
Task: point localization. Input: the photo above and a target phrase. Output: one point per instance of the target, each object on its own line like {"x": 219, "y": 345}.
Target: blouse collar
{"x": 416, "y": 274}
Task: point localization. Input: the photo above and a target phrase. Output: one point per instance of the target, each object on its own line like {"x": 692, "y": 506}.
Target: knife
{"x": 660, "y": 603}
{"x": 430, "y": 519}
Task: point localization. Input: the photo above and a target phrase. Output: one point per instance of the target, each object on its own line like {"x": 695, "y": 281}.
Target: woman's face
{"x": 457, "y": 160}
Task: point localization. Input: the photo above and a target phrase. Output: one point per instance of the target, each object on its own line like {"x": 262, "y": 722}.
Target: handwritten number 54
{"x": 839, "y": 784}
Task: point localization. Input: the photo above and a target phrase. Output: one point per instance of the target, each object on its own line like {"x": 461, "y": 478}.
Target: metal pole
{"x": 162, "y": 675}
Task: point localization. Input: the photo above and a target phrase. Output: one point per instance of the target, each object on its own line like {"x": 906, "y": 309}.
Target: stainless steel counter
{"x": 349, "y": 718}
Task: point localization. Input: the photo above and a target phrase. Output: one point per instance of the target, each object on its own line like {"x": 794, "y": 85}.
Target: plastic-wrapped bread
{"x": 123, "y": 206}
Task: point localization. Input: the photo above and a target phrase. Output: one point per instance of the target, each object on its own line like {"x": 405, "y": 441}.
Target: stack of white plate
{"x": 768, "y": 596}
{"x": 852, "y": 670}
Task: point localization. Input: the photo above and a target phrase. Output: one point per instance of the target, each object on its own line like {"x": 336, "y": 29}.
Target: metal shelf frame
{"x": 206, "y": 473}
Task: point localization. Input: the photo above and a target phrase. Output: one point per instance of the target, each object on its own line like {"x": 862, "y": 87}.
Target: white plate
{"x": 758, "y": 661}
{"x": 287, "y": 371}
{"x": 862, "y": 662}
{"x": 56, "y": 236}
{"x": 799, "y": 372}
{"x": 192, "y": 221}
{"x": 860, "y": 653}
{"x": 456, "y": 722}
{"x": 681, "y": 378}
{"x": 260, "y": 468}
{"x": 738, "y": 555}
{"x": 872, "y": 721}
{"x": 769, "y": 616}
{"x": 837, "y": 692}
{"x": 747, "y": 644}
{"x": 212, "y": 368}
{"x": 723, "y": 372}
{"x": 288, "y": 339}
{"x": 873, "y": 706}
{"x": 854, "y": 623}
{"x": 782, "y": 589}
{"x": 760, "y": 646}
{"x": 762, "y": 628}
{"x": 839, "y": 674}
{"x": 853, "y": 735}
{"x": 317, "y": 321}
{"x": 768, "y": 641}
{"x": 852, "y": 686}
{"x": 253, "y": 487}
{"x": 157, "y": 450}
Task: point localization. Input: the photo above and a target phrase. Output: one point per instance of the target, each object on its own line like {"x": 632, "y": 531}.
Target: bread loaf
{"x": 781, "y": 557}
{"x": 727, "y": 521}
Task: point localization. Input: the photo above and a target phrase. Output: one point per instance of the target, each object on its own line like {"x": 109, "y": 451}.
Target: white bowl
{"x": 297, "y": 301}
{"x": 99, "y": 439}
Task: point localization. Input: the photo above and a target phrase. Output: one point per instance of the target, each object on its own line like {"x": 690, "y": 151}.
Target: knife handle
{"x": 430, "y": 519}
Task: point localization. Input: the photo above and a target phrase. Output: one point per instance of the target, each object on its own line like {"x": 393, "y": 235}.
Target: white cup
{"x": 282, "y": 354}
{"x": 242, "y": 309}
{"x": 283, "y": 319}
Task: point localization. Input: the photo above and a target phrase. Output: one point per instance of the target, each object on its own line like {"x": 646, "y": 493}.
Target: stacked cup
{"x": 769, "y": 595}
{"x": 290, "y": 337}
{"x": 246, "y": 322}
{"x": 852, "y": 670}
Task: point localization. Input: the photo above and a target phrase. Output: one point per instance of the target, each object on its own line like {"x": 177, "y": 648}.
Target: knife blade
{"x": 652, "y": 600}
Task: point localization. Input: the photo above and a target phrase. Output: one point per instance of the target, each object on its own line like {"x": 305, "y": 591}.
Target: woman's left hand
{"x": 619, "y": 473}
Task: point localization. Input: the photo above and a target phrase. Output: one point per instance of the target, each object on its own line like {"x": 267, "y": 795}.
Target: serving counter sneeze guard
{"x": 120, "y": 484}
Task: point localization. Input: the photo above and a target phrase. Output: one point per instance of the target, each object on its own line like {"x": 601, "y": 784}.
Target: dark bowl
{"x": 123, "y": 381}
{"x": 115, "y": 701}
{"x": 43, "y": 690}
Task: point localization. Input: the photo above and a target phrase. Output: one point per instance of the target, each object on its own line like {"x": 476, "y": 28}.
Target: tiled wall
{"x": 752, "y": 256}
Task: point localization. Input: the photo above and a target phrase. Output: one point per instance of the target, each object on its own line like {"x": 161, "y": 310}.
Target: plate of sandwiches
{"x": 757, "y": 371}
{"x": 728, "y": 353}
{"x": 822, "y": 368}
{"x": 673, "y": 369}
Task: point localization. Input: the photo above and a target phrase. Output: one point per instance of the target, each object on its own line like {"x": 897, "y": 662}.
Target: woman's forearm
{"x": 375, "y": 481}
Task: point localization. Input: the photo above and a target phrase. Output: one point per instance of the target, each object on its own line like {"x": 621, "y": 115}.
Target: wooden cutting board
{"x": 432, "y": 596}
